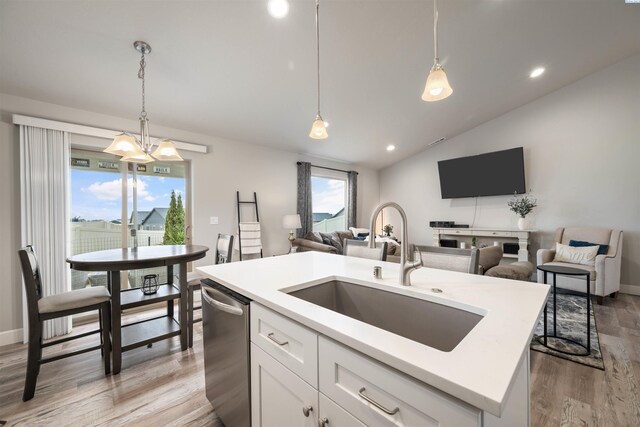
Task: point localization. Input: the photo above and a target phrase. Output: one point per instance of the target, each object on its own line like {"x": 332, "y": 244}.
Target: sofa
{"x": 328, "y": 242}
{"x": 605, "y": 273}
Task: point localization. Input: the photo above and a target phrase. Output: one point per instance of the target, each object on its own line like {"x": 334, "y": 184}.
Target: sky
{"x": 97, "y": 195}
{"x": 328, "y": 194}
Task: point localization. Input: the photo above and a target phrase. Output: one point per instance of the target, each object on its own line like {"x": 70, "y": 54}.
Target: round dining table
{"x": 148, "y": 331}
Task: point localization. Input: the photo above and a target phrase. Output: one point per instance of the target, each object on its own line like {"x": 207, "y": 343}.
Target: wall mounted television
{"x": 490, "y": 174}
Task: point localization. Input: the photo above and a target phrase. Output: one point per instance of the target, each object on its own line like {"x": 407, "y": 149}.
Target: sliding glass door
{"x": 122, "y": 205}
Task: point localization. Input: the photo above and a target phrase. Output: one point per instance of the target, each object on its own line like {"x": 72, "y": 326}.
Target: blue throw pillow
{"x": 602, "y": 249}
{"x": 361, "y": 238}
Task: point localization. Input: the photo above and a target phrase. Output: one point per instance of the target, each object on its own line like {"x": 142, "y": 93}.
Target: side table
{"x": 565, "y": 271}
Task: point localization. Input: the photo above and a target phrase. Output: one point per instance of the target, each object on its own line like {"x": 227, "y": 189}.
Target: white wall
{"x": 582, "y": 153}
{"x": 229, "y": 166}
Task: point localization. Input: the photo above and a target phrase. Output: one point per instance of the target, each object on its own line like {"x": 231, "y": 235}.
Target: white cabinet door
{"x": 278, "y": 396}
{"x": 332, "y": 415}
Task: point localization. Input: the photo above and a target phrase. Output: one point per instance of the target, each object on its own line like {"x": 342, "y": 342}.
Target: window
{"x": 329, "y": 202}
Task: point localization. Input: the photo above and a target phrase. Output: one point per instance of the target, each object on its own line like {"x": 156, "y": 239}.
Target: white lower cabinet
{"x": 332, "y": 415}
{"x": 279, "y": 398}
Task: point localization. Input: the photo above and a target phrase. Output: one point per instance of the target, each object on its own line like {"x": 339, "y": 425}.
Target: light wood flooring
{"x": 164, "y": 386}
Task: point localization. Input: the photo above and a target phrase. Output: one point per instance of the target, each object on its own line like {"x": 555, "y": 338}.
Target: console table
{"x": 521, "y": 236}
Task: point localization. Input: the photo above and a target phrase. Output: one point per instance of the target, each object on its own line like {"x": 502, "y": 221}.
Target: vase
{"x": 524, "y": 224}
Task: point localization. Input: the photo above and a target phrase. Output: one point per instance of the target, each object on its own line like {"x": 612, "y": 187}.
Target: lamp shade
{"x": 318, "y": 129}
{"x": 167, "y": 151}
{"x": 122, "y": 145}
{"x": 137, "y": 157}
{"x": 437, "y": 86}
{"x": 291, "y": 222}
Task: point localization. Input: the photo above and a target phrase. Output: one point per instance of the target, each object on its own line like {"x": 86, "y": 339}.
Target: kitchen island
{"x": 485, "y": 377}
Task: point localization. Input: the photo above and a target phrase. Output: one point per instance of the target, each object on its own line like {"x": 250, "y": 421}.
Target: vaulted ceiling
{"x": 229, "y": 69}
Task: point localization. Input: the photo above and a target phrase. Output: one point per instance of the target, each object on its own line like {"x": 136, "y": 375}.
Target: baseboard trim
{"x": 10, "y": 337}
{"x": 630, "y": 289}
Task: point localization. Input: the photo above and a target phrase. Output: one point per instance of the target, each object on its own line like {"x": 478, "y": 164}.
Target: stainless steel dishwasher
{"x": 225, "y": 328}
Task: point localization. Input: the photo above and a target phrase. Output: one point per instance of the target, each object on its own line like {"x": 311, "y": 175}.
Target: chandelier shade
{"x": 167, "y": 152}
{"x": 318, "y": 129}
{"x": 122, "y": 144}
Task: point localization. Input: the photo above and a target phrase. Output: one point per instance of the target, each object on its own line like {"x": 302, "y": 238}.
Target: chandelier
{"x": 139, "y": 150}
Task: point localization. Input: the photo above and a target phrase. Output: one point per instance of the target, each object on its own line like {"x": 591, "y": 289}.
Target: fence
{"x": 100, "y": 236}
{"x": 330, "y": 224}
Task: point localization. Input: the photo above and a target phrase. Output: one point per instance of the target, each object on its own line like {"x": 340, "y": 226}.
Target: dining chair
{"x": 224, "y": 251}
{"x": 361, "y": 249}
{"x": 454, "y": 259}
{"x": 41, "y": 308}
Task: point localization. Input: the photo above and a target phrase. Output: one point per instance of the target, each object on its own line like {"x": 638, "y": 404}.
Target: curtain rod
{"x": 331, "y": 169}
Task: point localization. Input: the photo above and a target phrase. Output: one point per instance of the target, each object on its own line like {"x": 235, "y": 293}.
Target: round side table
{"x": 565, "y": 271}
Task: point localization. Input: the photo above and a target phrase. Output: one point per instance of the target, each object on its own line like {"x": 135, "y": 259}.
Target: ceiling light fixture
{"x": 139, "y": 151}
{"x": 537, "y": 72}
{"x": 437, "y": 86}
{"x": 391, "y": 147}
{"x": 319, "y": 127}
{"x": 278, "y": 8}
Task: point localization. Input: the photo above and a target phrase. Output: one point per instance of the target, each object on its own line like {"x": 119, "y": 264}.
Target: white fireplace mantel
{"x": 521, "y": 236}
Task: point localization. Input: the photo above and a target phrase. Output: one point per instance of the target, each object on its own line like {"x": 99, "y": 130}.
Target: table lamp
{"x": 291, "y": 222}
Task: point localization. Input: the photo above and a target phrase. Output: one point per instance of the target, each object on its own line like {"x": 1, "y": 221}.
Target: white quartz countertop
{"x": 478, "y": 371}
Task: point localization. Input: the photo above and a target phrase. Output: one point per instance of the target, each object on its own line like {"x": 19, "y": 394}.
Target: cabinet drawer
{"x": 377, "y": 395}
{"x": 290, "y": 343}
{"x": 489, "y": 233}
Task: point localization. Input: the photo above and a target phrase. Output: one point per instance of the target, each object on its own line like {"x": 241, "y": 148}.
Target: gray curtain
{"x": 352, "y": 198}
{"x": 304, "y": 199}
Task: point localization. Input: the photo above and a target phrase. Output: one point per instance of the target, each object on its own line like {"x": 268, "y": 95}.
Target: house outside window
{"x": 329, "y": 201}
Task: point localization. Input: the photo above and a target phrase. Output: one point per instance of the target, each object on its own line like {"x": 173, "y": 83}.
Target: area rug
{"x": 572, "y": 323}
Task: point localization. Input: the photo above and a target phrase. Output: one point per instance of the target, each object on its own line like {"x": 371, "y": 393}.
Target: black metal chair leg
{"x": 33, "y": 361}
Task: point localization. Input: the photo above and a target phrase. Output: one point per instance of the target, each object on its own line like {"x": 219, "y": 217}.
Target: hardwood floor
{"x": 164, "y": 386}
{"x": 568, "y": 394}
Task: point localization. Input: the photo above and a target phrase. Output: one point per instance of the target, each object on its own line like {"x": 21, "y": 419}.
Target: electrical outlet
{"x": 213, "y": 220}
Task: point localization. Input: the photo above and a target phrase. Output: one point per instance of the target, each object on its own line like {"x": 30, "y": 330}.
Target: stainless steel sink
{"x": 435, "y": 325}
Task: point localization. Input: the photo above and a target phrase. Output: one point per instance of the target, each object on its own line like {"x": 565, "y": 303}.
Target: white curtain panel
{"x": 44, "y": 185}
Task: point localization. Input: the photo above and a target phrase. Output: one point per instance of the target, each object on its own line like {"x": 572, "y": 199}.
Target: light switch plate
{"x": 213, "y": 220}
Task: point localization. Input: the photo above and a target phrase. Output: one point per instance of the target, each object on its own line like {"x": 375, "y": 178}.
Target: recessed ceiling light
{"x": 278, "y": 8}
{"x": 536, "y": 72}
{"x": 391, "y": 147}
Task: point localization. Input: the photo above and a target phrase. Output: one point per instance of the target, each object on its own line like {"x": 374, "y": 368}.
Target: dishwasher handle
{"x": 237, "y": 311}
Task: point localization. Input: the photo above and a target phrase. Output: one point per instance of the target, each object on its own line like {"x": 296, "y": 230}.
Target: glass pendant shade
{"x": 122, "y": 145}
{"x": 138, "y": 156}
{"x": 318, "y": 129}
{"x": 166, "y": 151}
{"x": 437, "y": 86}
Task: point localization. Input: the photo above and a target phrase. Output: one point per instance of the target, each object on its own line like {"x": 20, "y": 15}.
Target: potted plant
{"x": 523, "y": 207}
{"x": 388, "y": 229}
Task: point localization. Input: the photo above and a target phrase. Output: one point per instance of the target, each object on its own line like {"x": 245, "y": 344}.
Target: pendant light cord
{"x": 435, "y": 34}
{"x": 318, "y": 50}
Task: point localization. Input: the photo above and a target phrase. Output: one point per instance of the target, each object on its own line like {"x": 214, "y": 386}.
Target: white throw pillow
{"x": 585, "y": 255}
{"x": 357, "y": 231}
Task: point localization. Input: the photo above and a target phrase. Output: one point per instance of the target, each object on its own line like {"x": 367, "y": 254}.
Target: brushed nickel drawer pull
{"x": 376, "y": 404}
{"x": 322, "y": 422}
{"x": 306, "y": 410}
{"x": 275, "y": 340}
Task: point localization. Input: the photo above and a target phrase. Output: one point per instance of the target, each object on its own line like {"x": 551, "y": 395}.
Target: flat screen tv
{"x": 490, "y": 174}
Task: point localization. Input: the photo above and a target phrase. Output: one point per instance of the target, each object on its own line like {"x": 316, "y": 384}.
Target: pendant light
{"x": 139, "y": 151}
{"x": 437, "y": 86}
{"x": 318, "y": 129}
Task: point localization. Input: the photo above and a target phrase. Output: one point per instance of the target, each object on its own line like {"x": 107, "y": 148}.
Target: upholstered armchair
{"x": 605, "y": 274}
